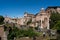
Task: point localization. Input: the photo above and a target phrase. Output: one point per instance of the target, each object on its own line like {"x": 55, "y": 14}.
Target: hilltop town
{"x": 39, "y": 22}
{"x": 41, "y": 18}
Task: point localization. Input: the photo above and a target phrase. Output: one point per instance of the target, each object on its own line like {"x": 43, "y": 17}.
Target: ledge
{"x": 2, "y": 25}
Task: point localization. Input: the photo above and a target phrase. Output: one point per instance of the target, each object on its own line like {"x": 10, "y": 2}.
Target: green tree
{"x": 1, "y": 19}
{"x": 57, "y": 25}
{"x": 12, "y": 33}
{"x": 54, "y": 18}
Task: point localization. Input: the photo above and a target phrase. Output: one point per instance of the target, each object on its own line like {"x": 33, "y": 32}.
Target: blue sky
{"x": 18, "y": 7}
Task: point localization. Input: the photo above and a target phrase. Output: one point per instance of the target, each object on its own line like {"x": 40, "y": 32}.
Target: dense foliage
{"x": 17, "y": 33}
{"x": 57, "y": 25}
{"x": 54, "y": 20}
{"x": 1, "y": 19}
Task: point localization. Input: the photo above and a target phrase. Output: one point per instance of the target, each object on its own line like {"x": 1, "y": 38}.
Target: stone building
{"x": 43, "y": 18}
{"x": 40, "y": 20}
{"x": 51, "y": 9}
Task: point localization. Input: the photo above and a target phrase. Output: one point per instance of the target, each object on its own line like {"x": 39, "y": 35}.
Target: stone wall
{"x": 2, "y": 33}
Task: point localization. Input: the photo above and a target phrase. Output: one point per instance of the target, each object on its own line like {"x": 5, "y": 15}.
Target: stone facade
{"x": 51, "y": 9}
{"x": 40, "y": 20}
{"x": 3, "y": 36}
{"x": 1, "y": 32}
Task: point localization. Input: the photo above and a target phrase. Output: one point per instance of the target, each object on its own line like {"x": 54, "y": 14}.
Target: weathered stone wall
{"x": 3, "y": 36}
{"x": 1, "y": 31}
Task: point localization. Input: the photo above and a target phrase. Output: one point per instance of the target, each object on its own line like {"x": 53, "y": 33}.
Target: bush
{"x": 17, "y": 33}
{"x": 1, "y": 20}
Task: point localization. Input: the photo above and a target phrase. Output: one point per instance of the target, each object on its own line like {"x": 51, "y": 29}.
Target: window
{"x": 40, "y": 14}
{"x": 0, "y": 38}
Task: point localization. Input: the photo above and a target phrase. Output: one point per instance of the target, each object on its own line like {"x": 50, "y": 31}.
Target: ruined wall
{"x": 2, "y": 32}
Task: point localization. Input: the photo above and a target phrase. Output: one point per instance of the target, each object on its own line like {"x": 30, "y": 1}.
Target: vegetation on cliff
{"x": 55, "y": 21}
{"x": 1, "y": 19}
